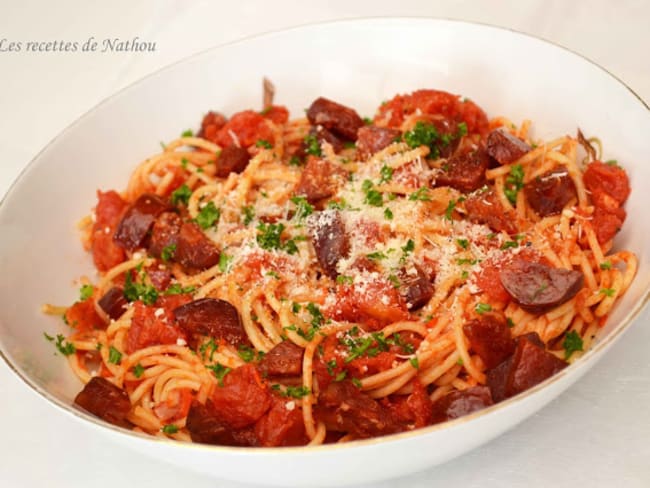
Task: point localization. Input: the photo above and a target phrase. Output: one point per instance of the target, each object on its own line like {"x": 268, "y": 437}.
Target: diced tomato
{"x": 610, "y": 179}
{"x": 108, "y": 212}
{"x": 393, "y": 112}
{"x": 607, "y": 223}
{"x": 278, "y": 114}
{"x": 365, "y": 366}
{"x": 248, "y": 127}
{"x": 154, "y": 325}
{"x": 83, "y": 317}
{"x": 243, "y": 398}
{"x": 282, "y": 425}
{"x": 175, "y": 407}
{"x": 375, "y": 303}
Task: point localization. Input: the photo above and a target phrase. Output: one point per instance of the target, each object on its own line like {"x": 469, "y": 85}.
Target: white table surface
{"x": 595, "y": 434}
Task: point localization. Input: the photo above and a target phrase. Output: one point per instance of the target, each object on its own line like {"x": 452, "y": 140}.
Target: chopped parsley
{"x": 114, "y": 356}
{"x": 317, "y": 318}
{"x": 373, "y": 197}
{"x": 64, "y": 347}
{"x": 220, "y": 371}
{"x": 463, "y": 243}
{"x": 138, "y": 370}
{"x": 245, "y": 352}
{"x": 605, "y": 265}
{"x": 167, "y": 253}
{"x": 376, "y": 255}
{"x": 181, "y": 194}
{"x": 224, "y": 262}
{"x": 312, "y": 145}
{"x": 208, "y": 215}
{"x": 295, "y": 161}
{"x": 248, "y": 211}
{"x": 269, "y": 237}
{"x": 169, "y": 429}
{"x": 177, "y": 289}
{"x": 481, "y": 308}
{"x": 388, "y": 214}
{"x": 394, "y": 280}
{"x": 367, "y": 120}
{"x": 85, "y": 292}
{"x": 508, "y": 245}
{"x": 421, "y": 194}
{"x": 423, "y": 134}
{"x": 341, "y": 376}
{"x": 514, "y": 182}
{"x": 611, "y": 162}
{"x": 211, "y": 346}
{"x": 386, "y": 173}
{"x": 608, "y": 292}
{"x": 295, "y": 307}
{"x": 264, "y": 143}
{"x": 357, "y": 382}
{"x": 344, "y": 280}
{"x": 450, "y": 209}
{"x": 406, "y": 250}
{"x": 303, "y": 208}
{"x": 139, "y": 291}
{"x": 296, "y": 391}
{"x": 572, "y": 343}
{"x": 187, "y": 133}
{"x": 510, "y": 322}
{"x": 415, "y": 362}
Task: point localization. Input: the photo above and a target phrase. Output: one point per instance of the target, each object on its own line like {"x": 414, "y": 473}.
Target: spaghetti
{"x": 285, "y": 282}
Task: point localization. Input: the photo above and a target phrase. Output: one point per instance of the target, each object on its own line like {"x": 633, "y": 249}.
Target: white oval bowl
{"x": 358, "y": 63}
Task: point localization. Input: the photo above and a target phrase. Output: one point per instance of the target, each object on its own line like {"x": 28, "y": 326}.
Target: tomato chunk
{"x": 153, "y": 325}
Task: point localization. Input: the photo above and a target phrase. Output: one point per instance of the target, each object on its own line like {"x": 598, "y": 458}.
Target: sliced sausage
{"x": 372, "y": 139}
{"x": 549, "y": 193}
{"x": 338, "y": 118}
{"x": 489, "y": 336}
{"x": 195, "y": 250}
{"x": 484, "y": 207}
{"x": 415, "y": 287}
{"x": 113, "y": 302}
{"x": 465, "y": 172}
{"x": 537, "y": 287}
{"x": 164, "y": 233}
{"x": 105, "y": 400}
{"x": 529, "y": 365}
{"x": 460, "y": 403}
{"x": 207, "y": 427}
{"x": 324, "y": 135}
{"x": 345, "y": 408}
{"x": 285, "y": 359}
{"x": 330, "y": 241}
{"x": 232, "y": 159}
{"x": 320, "y": 179}
{"x": 504, "y": 147}
{"x": 213, "y": 318}
{"x": 138, "y": 219}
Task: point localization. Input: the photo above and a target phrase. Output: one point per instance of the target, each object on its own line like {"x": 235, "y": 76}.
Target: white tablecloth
{"x": 603, "y": 438}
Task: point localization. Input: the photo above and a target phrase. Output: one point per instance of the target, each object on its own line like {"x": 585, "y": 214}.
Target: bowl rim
{"x": 583, "y": 363}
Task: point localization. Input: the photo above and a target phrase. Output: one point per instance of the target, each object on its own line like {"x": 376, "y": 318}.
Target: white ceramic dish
{"x": 358, "y": 63}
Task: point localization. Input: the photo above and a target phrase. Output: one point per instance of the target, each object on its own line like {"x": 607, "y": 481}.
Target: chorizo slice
{"x": 195, "y": 250}
{"x": 164, "y": 233}
{"x": 232, "y": 159}
{"x": 132, "y": 230}
{"x": 213, "y": 318}
{"x": 105, "y": 400}
{"x": 345, "y": 408}
{"x": 504, "y": 147}
{"x": 549, "y": 193}
{"x": 415, "y": 287}
{"x": 460, "y": 403}
{"x": 285, "y": 359}
{"x": 343, "y": 121}
{"x": 320, "y": 179}
{"x": 372, "y": 139}
{"x": 207, "y": 427}
{"x": 529, "y": 365}
{"x": 537, "y": 287}
{"x": 464, "y": 172}
{"x": 484, "y": 207}
{"x": 113, "y": 302}
{"x": 489, "y": 336}
{"x": 330, "y": 241}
